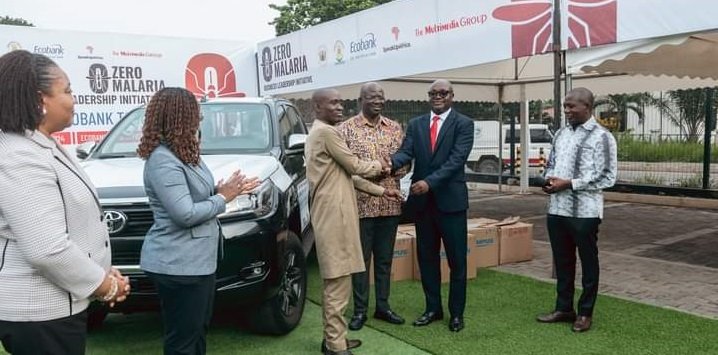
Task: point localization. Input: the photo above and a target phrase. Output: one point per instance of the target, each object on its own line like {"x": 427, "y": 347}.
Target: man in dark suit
{"x": 439, "y": 142}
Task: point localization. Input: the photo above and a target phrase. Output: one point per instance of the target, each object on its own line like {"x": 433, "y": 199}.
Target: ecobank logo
{"x": 363, "y": 47}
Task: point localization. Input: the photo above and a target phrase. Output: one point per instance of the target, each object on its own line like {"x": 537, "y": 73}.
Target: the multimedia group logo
{"x": 339, "y": 52}
{"x": 590, "y": 23}
{"x": 211, "y": 75}
{"x": 395, "y": 33}
{"x": 267, "y": 64}
{"x": 99, "y": 78}
{"x": 13, "y": 46}
{"x": 50, "y": 50}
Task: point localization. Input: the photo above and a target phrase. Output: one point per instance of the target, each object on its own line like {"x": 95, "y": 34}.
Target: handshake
{"x": 385, "y": 165}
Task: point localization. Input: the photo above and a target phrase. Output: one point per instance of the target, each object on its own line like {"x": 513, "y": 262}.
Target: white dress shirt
{"x": 442, "y": 119}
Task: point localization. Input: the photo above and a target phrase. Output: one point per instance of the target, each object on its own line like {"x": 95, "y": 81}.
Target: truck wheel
{"x": 488, "y": 166}
{"x": 281, "y": 314}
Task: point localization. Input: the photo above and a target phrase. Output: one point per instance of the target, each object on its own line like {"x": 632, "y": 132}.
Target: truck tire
{"x": 488, "y": 166}
{"x": 281, "y": 314}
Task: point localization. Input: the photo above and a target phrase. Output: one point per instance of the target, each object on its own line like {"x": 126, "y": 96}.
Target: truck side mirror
{"x": 296, "y": 143}
{"x": 83, "y": 150}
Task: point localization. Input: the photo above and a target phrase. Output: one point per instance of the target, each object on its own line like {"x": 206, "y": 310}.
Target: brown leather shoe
{"x": 582, "y": 324}
{"x": 351, "y": 344}
{"x": 557, "y": 316}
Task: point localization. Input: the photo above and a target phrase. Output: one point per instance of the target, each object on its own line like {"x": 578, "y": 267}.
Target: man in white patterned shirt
{"x": 582, "y": 163}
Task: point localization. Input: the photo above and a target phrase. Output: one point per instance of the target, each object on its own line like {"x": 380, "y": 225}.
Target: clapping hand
{"x": 237, "y": 184}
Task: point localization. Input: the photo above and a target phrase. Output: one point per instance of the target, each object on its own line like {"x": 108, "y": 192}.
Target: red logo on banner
{"x": 211, "y": 75}
{"x": 63, "y": 138}
{"x": 85, "y": 136}
{"x": 590, "y": 23}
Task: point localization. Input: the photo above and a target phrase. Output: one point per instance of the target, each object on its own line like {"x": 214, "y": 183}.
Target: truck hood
{"x": 128, "y": 172}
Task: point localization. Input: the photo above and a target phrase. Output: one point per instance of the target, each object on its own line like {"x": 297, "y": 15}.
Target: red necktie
{"x": 433, "y": 131}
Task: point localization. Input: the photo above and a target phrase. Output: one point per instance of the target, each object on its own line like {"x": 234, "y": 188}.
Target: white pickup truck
{"x": 484, "y": 156}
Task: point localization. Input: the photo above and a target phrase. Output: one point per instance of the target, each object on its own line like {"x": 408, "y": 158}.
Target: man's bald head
{"x": 582, "y": 95}
{"x": 327, "y": 106}
{"x": 371, "y": 100}
{"x": 441, "y": 96}
{"x": 578, "y": 106}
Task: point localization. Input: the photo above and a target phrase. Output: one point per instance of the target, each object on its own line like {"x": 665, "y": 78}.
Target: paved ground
{"x": 665, "y": 256}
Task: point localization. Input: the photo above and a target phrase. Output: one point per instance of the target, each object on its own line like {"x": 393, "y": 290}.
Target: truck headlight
{"x": 258, "y": 203}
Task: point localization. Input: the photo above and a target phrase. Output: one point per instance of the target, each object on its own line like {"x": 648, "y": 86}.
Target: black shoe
{"x": 389, "y": 316}
{"x": 427, "y": 318}
{"x": 556, "y": 317}
{"x": 351, "y": 344}
{"x": 456, "y": 324}
{"x": 357, "y": 321}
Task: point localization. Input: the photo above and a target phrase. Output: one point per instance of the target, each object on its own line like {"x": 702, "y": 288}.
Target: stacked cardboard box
{"x": 489, "y": 243}
{"x": 501, "y": 242}
{"x": 485, "y": 246}
{"x": 402, "y": 264}
{"x": 444, "y": 263}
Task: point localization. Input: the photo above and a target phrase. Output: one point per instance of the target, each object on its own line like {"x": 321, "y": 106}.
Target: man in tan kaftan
{"x": 334, "y": 215}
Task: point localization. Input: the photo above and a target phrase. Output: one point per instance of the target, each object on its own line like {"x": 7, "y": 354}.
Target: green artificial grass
{"x": 500, "y": 319}
{"x": 141, "y": 334}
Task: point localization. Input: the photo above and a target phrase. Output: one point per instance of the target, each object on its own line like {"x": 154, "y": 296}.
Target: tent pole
{"x": 556, "y": 64}
{"x": 707, "y": 127}
{"x": 501, "y": 134}
{"x": 524, "y": 142}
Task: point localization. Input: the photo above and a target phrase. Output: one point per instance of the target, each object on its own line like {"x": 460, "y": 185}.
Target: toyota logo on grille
{"x": 115, "y": 221}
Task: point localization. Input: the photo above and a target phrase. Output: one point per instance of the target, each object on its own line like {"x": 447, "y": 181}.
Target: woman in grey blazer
{"x": 180, "y": 250}
{"x": 54, "y": 246}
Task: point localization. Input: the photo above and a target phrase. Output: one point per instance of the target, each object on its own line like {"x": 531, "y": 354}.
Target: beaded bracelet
{"x": 113, "y": 290}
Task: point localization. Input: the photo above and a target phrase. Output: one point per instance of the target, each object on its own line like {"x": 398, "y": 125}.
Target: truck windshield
{"x": 226, "y": 128}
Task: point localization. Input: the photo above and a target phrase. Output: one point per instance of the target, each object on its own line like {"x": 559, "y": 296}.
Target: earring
{"x": 44, "y": 110}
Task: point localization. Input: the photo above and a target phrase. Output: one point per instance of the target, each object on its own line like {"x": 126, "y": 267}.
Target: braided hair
{"x": 23, "y": 76}
{"x": 172, "y": 118}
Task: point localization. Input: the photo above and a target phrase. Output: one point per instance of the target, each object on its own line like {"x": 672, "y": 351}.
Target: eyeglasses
{"x": 441, "y": 94}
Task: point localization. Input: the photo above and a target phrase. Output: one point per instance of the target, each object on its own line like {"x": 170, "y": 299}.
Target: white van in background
{"x": 484, "y": 157}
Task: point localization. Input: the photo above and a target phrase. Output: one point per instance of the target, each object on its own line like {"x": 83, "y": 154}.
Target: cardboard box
{"x": 515, "y": 243}
{"x": 407, "y": 229}
{"x": 402, "y": 264}
{"x": 485, "y": 246}
{"x": 444, "y": 263}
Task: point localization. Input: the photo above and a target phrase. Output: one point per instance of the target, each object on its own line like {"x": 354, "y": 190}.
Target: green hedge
{"x": 631, "y": 149}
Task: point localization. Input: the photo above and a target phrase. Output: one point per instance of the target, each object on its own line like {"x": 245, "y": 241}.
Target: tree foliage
{"x": 621, "y": 105}
{"x": 686, "y": 109}
{"x": 7, "y": 20}
{"x": 299, "y": 14}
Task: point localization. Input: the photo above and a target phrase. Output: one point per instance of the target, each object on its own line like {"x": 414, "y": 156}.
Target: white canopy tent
{"x": 667, "y": 63}
{"x": 616, "y": 46}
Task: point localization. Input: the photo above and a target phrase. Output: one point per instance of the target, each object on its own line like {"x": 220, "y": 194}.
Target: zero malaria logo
{"x": 211, "y": 75}
{"x": 99, "y": 78}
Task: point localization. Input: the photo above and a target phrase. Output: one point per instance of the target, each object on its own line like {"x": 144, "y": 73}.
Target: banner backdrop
{"x": 111, "y": 74}
{"x": 410, "y": 37}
